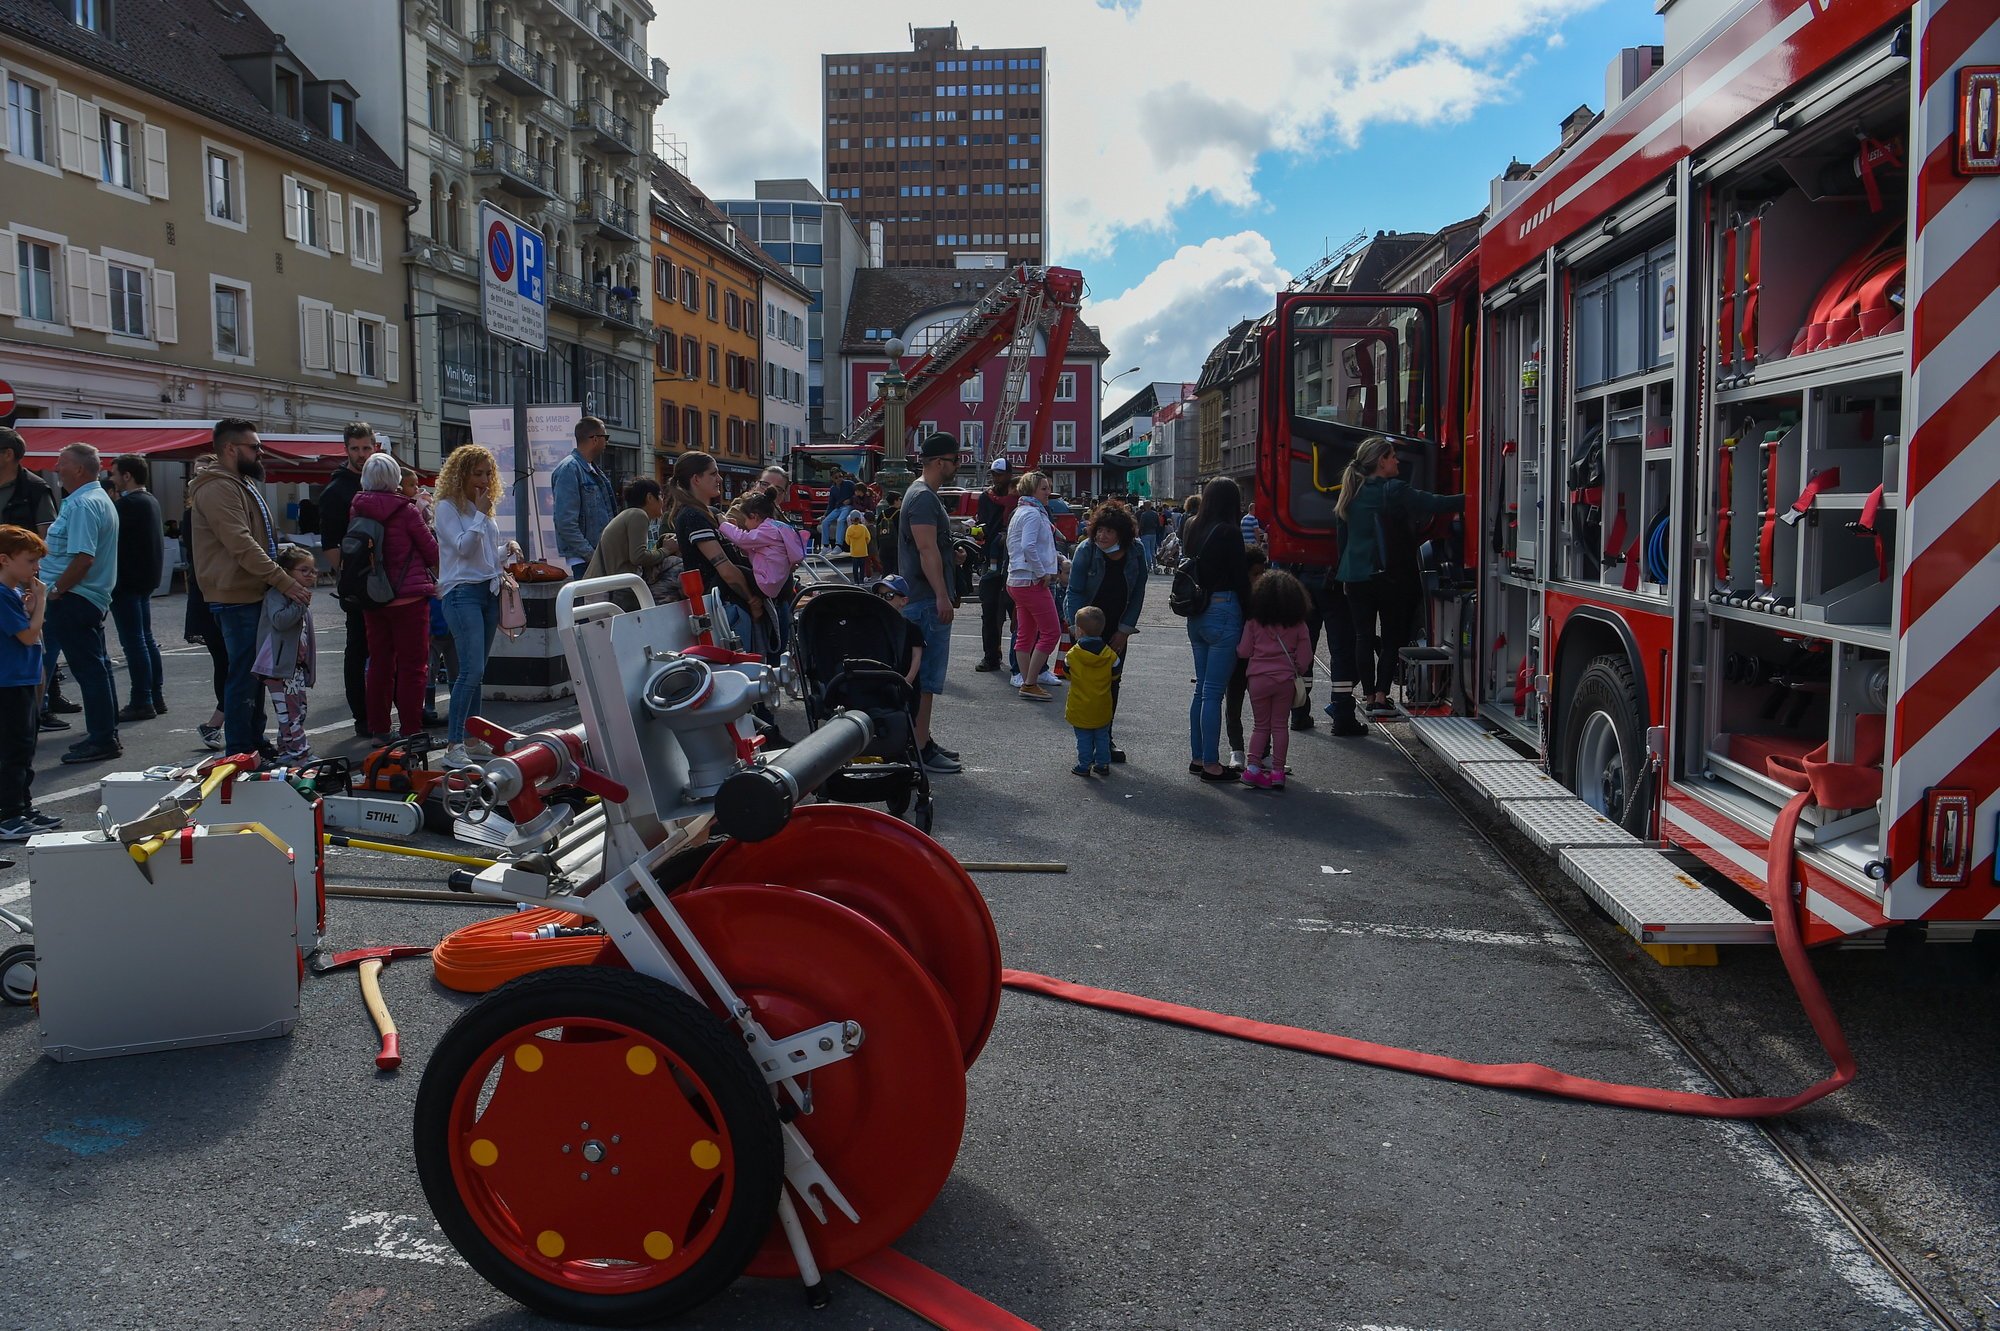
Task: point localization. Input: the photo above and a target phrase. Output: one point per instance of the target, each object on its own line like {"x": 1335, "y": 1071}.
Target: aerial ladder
{"x": 1006, "y": 317}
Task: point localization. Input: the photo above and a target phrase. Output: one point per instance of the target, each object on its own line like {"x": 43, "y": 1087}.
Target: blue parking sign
{"x": 528, "y": 277}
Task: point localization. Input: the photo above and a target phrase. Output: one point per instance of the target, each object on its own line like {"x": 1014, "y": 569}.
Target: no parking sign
{"x": 513, "y": 296}
{"x": 10, "y": 406}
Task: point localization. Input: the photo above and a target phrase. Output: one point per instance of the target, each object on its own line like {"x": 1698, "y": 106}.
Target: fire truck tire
{"x": 641, "y": 1075}
{"x": 1604, "y": 741}
{"x": 17, "y": 974}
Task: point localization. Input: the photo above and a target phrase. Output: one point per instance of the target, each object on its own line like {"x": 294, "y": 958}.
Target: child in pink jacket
{"x": 1276, "y": 650}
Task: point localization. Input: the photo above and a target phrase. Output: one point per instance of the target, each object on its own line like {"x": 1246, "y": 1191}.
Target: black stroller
{"x": 851, "y": 649}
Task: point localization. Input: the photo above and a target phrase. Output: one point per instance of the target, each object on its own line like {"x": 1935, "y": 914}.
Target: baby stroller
{"x": 851, "y": 649}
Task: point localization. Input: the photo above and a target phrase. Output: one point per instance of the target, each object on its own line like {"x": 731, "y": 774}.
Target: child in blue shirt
{"x": 23, "y": 599}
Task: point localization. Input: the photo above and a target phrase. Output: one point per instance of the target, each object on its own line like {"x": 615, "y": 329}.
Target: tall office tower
{"x": 942, "y": 144}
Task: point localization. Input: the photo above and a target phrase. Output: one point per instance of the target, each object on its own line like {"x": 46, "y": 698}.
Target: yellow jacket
{"x": 1088, "y": 706}
{"x": 857, "y": 539}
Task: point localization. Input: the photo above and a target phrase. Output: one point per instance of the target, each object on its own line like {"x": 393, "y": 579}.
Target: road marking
{"x": 402, "y": 1238}
{"x": 1435, "y": 933}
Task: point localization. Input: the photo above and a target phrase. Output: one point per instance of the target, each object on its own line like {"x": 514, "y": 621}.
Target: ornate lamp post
{"x": 893, "y": 476}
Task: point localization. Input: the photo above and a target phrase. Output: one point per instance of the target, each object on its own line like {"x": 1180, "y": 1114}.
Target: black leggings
{"x": 1232, "y": 702}
{"x": 1375, "y": 651}
{"x": 218, "y": 657}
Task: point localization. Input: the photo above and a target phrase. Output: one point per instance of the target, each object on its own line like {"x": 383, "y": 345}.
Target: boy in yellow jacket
{"x": 1092, "y": 666}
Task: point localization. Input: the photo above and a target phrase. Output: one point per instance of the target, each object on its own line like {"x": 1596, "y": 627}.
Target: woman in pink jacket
{"x": 399, "y": 634}
{"x": 775, "y": 548}
{"x": 1276, "y": 649}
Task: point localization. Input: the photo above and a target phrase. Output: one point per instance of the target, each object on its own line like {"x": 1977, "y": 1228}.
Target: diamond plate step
{"x": 1657, "y": 903}
{"x": 1461, "y": 739}
{"x": 1514, "y": 781}
{"x": 1556, "y": 824}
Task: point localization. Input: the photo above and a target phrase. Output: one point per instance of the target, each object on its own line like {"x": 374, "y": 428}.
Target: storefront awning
{"x": 287, "y": 457}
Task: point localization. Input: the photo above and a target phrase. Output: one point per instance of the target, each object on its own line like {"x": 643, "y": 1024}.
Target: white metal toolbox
{"x": 255, "y": 797}
{"x": 195, "y": 944}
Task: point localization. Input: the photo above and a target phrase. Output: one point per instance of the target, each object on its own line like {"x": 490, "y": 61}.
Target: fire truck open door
{"x": 1338, "y": 369}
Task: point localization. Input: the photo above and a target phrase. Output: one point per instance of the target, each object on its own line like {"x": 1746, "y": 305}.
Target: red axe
{"x": 371, "y": 960}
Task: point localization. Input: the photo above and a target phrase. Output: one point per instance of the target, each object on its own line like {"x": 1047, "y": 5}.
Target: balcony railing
{"x": 576, "y": 294}
{"x": 519, "y": 173}
{"x": 516, "y": 67}
{"x": 613, "y": 133}
{"x": 609, "y": 216}
{"x": 623, "y": 312}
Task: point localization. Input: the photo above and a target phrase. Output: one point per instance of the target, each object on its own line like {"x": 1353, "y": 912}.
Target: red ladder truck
{"x": 1722, "y": 385}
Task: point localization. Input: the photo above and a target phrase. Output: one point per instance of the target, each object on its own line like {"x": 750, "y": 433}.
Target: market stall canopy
{"x": 288, "y": 457}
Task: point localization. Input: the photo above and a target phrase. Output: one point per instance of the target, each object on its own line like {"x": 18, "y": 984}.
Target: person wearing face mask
{"x": 1109, "y": 572}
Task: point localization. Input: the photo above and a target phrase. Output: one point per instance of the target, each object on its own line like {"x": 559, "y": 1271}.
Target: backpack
{"x": 364, "y": 580}
{"x": 1187, "y": 597}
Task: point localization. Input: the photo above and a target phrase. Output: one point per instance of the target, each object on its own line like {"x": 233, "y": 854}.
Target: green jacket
{"x": 1382, "y": 501}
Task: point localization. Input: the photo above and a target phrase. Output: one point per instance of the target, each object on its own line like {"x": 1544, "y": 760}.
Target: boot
{"x": 1345, "y": 723}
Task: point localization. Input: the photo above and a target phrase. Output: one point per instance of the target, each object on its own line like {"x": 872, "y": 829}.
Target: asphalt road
{"x": 1114, "y": 1174}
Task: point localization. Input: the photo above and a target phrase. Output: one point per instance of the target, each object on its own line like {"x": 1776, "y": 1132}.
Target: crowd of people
{"x": 424, "y": 578}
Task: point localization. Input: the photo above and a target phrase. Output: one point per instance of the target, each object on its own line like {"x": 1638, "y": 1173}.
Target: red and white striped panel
{"x": 1945, "y": 730}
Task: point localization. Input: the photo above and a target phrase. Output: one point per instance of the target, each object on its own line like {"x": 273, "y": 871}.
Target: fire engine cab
{"x": 1722, "y": 386}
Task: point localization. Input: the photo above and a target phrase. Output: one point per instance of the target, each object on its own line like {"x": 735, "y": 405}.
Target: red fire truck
{"x": 1722, "y": 385}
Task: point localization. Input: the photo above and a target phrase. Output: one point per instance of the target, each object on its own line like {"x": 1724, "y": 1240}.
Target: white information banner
{"x": 551, "y": 436}
{"x": 513, "y": 295}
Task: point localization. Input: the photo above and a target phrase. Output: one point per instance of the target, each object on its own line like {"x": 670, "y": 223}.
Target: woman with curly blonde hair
{"x": 471, "y": 556}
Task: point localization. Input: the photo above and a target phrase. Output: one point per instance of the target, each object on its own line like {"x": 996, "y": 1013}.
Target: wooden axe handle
{"x": 391, "y": 1056}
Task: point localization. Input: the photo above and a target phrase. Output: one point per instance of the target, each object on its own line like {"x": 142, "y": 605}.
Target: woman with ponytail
{"x": 1380, "y": 577}
{"x": 1214, "y": 541}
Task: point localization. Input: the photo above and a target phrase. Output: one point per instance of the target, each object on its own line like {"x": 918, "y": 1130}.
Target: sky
{"x": 1192, "y": 168}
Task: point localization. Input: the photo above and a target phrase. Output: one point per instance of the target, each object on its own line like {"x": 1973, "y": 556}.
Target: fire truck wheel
{"x": 1604, "y": 741}
{"x": 599, "y": 1146}
{"x": 17, "y": 974}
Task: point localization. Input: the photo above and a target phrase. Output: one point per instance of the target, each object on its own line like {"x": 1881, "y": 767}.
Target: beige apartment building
{"x": 195, "y": 224}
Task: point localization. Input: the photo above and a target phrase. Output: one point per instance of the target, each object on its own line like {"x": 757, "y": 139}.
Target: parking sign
{"x": 513, "y": 296}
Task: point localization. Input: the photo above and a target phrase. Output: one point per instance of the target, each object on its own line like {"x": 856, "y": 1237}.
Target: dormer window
{"x": 287, "y": 95}
{"x": 88, "y": 14}
{"x": 340, "y": 119}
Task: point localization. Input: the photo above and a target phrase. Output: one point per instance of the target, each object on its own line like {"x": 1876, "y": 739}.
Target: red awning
{"x": 287, "y": 457}
{"x": 111, "y": 438}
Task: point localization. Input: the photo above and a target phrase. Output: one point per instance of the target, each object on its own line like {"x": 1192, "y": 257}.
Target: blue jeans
{"x": 1151, "y": 545}
{"x": 1213, "y": 634}
{"x": 473, "y": 615}
{"x": 1093, "y": 747}
{"x": 937, "y": 644}
{"x": 133, "y": 614}
{"x": 745, "y": 627}
{"x": 242, "y": 694}
{"x": 75, "y": 628}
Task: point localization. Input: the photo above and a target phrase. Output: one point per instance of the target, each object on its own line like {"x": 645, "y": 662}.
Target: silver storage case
{"x": 1632, "y": 337}
{"x": 1593, "y": 314}
{"x": 197, "y": 945}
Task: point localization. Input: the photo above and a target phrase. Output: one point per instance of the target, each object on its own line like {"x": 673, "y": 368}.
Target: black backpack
{"x": 1187, "y": 597}
{"x": 364, "y": 581}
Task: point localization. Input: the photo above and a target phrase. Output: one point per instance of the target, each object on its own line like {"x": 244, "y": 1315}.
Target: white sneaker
{"x": 1048, "y": 677}
{"x": 455, "y": 757}
{"x": 1236, "y": 758}
{"x": 1016, "y": 680}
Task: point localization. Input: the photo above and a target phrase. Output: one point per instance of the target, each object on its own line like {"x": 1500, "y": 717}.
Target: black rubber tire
{"x": 898, "y": 803}
{"x": 1607, "y": 686}
{"x": 17, "y": 975}
{"x": 716, "y": 1054}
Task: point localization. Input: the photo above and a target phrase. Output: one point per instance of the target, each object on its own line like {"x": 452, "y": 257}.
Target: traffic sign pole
{"x": 513, "y": 304}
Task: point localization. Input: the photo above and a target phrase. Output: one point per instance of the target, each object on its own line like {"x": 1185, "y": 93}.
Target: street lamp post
{"x": 893, "y": 476}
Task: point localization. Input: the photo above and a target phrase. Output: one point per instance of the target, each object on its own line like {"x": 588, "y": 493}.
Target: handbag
{"x": 537, "y": 570}
{"x": 513, "y": 613}
{"x": 1301, "y": 684}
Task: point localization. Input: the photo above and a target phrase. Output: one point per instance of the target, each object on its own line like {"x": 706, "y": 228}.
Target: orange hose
{"x": 484, "y": 955}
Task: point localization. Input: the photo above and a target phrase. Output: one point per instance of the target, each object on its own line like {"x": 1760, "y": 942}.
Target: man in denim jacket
{"x": 584, "y": 496}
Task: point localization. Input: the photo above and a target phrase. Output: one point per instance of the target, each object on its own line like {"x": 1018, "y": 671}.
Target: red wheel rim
{"x": 886, "y": 1122}
{"x": 533, "y": 1110}
{"x": 899, "y": 878}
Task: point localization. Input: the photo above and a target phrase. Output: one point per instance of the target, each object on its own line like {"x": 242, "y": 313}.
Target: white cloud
{"x": 1172, "y": 316}
{"x": 1152, "y": 103}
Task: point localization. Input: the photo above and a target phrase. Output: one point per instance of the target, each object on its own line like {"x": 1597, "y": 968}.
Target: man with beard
{"x": 235, "y": 548}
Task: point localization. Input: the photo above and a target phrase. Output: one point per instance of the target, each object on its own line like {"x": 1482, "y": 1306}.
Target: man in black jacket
{"x": 139, "y": 560}
{"x": 996, "y": 510}
{"x": 334, "y": 500}
{"x": 25, "y": 498}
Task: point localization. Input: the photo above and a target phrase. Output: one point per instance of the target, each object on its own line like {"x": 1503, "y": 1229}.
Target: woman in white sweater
{"x": 471, "y": 557}
{"x": 1032, "y": 566}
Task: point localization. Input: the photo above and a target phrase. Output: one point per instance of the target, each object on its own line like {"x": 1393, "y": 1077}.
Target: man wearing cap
{"x": 996, "y": 510}
{"x": 923, "y": 549}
